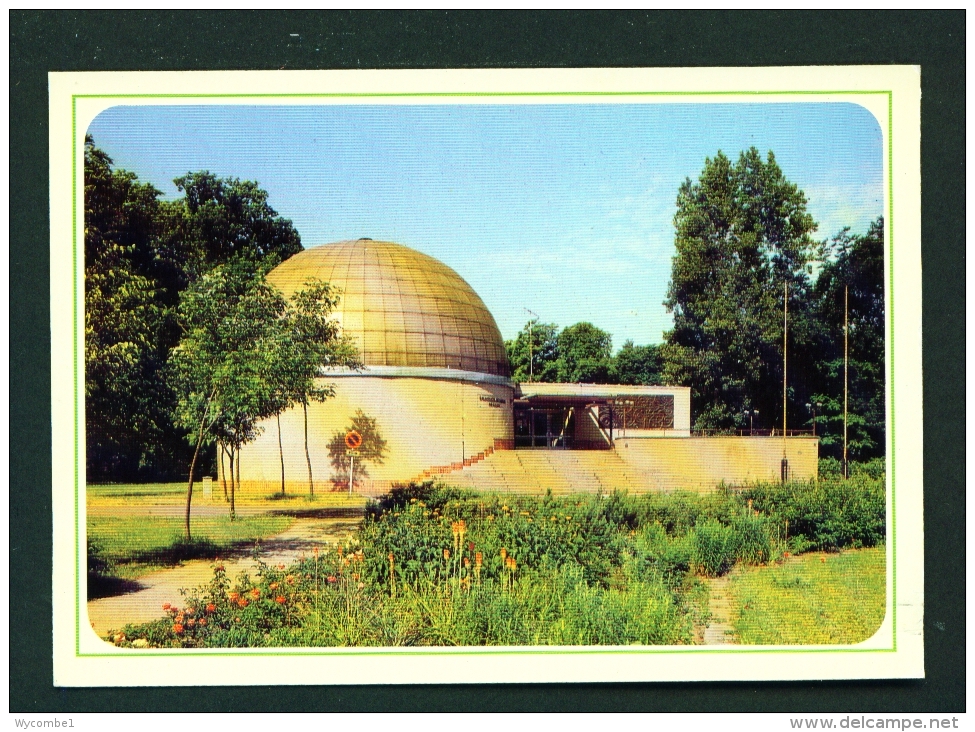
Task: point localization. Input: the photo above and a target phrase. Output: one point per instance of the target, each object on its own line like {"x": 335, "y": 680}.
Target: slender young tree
{"x": 313, "y": 344}
{"x": 223, "y": 369}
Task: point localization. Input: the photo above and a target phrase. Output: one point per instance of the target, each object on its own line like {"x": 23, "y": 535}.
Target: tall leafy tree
{"x": 584, "y": 354}
{"x": 126, "y": 400}
{"x": 742, "y": 234}
{"x": 637, "y": 365}
{"x": 141, "y": 253}
{"x": 533, "y": 353}
{"x": 218, "y": 219}
{"x": 853, "y": 271}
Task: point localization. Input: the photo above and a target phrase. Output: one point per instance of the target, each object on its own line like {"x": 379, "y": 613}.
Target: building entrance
{"x": 551, "y": 427}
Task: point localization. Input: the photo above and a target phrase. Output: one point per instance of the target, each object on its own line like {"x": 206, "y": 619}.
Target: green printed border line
{"x": 539, "y": 651}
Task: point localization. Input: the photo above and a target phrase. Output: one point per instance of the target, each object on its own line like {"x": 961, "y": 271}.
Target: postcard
{"x": 486, "y": 376}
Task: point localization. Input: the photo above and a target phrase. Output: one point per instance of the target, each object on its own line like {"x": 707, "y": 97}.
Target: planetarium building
{"x": 436, "y": 383}
{"x": 436, "y": 377}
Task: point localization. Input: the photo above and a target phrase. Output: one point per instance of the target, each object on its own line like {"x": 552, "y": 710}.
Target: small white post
{"x": 351, "y": 466}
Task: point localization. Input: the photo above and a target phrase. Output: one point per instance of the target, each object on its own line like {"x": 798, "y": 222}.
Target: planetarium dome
{"x": 403, "y": 308}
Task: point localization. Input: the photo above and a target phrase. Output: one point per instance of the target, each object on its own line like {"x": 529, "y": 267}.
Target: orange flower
{"x": 331, "y": 579}
{"x": 190, "y": 623}
{"x": 281, "y": 566}
{"x": 179, "y": 618}
{"x": 280, "y": 599}
{"x": 479, "y": 559}
{"x": 190, "y": 610}
{"x": 211, "y": 608}
{"x": 290, "y": 579}
{"x": 504, "y": 554}
{"x": 242, "y": 602}
{"x": 467, "y": 562}
{"x": 166, "y": 606}
{"x": 234, "y": 596}
{"x": 201, "y": 622}
{"x": 178, "y": 629}
{"x": 273, "y": 586}
{"x": 255, "y": 593}
{"x": 446, "y": 553}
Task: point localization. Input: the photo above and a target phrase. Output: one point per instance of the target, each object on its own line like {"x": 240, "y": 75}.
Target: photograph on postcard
{"x": 492, "y": 374}
{"x": 454, "y": 376}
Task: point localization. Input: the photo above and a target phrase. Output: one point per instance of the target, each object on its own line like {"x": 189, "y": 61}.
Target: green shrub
{"x": 875, "y": 469}
{"x": 825, "y": 514}
{"x": 715, "y": 548}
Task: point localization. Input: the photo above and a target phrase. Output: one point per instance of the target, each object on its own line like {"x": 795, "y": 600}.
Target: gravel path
{"x": 719, "y": 631}
{"x": 145, "y": 603}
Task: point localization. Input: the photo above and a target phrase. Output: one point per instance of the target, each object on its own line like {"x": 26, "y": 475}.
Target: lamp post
{"x": 751, "y": 420}
{"x": 531, "y": 339}
{"x": 811, "y": 406}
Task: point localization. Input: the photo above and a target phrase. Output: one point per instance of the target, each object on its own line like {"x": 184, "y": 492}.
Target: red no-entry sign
{"x": 353, "y": 440}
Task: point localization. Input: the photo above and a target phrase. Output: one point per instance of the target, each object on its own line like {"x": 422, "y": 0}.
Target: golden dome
{"x": 403, "y": 308}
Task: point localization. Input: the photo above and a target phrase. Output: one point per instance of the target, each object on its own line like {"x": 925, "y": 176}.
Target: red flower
{"x": 178, "y": 629}
{"x": 331, "y": 579}
{"x": 234, "y": 596}
{"x": 280, "y": 599}
{"x": 470, "y": 546}
{"x": 255, "y": 593}
{"x": 211, "y": 608}
{"x": 242, "y": 602}
{"x": 201, "y": 622}
{"x": 219, "y": 568}
{"x": 166, "y": 606}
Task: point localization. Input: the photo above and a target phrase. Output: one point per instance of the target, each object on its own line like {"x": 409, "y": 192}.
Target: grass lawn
{"x": 117, "y": 494}
{"x": 811, "y": 601}
{"x": 135, "y": 545}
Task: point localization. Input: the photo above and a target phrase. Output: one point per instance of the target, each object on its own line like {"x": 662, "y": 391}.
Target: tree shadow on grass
{"x": 105, "y": 585}
{"x": 320, "y": 513}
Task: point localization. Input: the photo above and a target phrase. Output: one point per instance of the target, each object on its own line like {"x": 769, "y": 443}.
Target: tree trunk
{"x": 311, "y": 480}
{"x": 223, "y": 471}
{"x": 189, "y": 489}
{"x": 281, "y": 453}
{"x": 196, "y": 452}
{"x": 233, "y": 485}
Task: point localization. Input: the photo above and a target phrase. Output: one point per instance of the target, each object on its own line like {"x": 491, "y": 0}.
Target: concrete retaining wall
{"x": 701, "y": 463}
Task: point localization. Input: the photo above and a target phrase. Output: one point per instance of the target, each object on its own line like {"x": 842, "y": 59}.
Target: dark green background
{"x": 133, "y": 40}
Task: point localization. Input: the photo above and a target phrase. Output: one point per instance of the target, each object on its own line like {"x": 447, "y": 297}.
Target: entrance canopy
{"x": 591, "y": 416}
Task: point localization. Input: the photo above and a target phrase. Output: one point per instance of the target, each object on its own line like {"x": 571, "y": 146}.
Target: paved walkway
{"x": 145, "y": 604}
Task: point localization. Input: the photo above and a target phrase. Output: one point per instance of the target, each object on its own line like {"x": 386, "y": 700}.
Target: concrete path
{"x": 145, "y": 604}
{"x": 719, "y": 631}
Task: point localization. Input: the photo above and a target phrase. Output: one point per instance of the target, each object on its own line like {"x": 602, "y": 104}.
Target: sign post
{"x": 353, "y": 441}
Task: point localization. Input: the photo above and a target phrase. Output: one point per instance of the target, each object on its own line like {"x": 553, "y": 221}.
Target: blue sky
{"x": 563, "y": 209}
